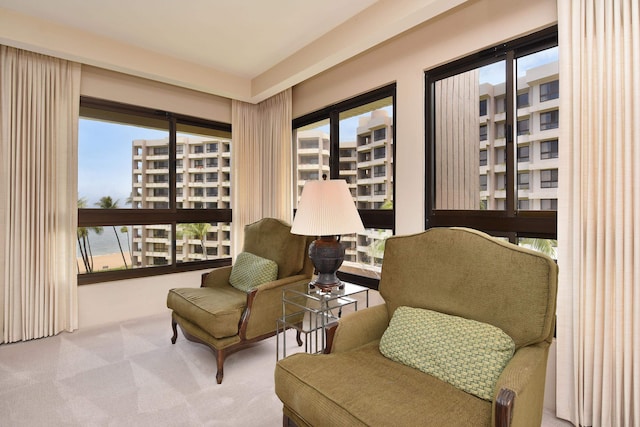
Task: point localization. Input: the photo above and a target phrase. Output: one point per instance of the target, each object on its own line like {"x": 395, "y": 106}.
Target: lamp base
{"x": 327, "y": 289}
{"x": 327, "y": 255}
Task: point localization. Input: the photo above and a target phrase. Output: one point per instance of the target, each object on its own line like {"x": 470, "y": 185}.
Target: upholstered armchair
{"x": 239, "y": 305}
{"x": 461, "y": 339}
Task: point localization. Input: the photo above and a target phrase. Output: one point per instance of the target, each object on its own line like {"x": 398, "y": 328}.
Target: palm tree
{"x": 107, "y": 202}
{"x": 125, "y": 229}
{"x": 546, "y": 246}
{"x": 376, "y": 249}
{"x": 84, "y": 244}
{"x": 198, "y": 231}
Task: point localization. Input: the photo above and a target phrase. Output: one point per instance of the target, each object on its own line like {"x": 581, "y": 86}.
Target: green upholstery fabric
{"x": 217, "y": 311}
{"x": 471, "y": 275}
{"x": 454, "y": 271}
{"x": 362, "y": 387}
{"x": 467, "y": 354}
{"x": 270, "y": 238}
{"x": 250, "y": 271}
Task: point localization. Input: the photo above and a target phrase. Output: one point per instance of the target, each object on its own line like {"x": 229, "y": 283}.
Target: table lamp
{"x": 326, "y": 210}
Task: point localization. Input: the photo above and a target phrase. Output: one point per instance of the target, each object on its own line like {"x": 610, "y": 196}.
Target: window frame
{"x": 510, "y": 222}
{"x": 371, "y": 218}
{"x": 93, "y": 217}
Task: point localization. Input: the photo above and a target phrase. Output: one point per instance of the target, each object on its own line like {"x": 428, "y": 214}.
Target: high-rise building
{"x": 537, "y": 134}
{"x": 203, "y": 168}
{"x": 366, "y": 164}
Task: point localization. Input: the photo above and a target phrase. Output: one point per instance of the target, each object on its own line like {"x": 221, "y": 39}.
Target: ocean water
{"x": 106, "y": 243}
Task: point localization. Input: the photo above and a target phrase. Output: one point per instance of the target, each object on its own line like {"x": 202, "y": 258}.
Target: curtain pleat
{"x": 261, "y": 163}
{"x": 275, "y": 117}
{"x": 39, "y": 106}
{"x": 598, "y": 328}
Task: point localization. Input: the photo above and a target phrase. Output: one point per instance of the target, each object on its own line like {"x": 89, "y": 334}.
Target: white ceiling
{"x": 253, "y": 48}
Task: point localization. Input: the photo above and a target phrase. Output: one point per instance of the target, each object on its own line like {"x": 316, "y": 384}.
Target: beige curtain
{"x": 598, "y": 330}
{"x": 261, "y": 163}
{"x": 39, "y": 102}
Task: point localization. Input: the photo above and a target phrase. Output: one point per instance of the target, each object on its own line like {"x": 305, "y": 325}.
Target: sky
{"x": 104, "y": 159}
{"x": 494, "y": 73}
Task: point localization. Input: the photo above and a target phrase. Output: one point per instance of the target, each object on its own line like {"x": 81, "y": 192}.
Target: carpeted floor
{"x": 129, "y": 374}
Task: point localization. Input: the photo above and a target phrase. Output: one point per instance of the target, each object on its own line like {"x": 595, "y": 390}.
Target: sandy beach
{"x": 106, "y": 262}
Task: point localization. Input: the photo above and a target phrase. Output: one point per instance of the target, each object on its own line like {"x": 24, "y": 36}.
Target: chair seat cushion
{"x": 362, "y": 387}
{"x": 216, "y": 310}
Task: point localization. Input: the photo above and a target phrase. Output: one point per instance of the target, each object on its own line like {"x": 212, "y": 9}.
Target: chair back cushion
{"x": 467, "y": 273}
{"x": 272, "y": 239}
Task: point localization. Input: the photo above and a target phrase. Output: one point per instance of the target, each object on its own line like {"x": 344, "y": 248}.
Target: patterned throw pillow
{"x": 467, "y": 354}
{"x": 250, "y": 271}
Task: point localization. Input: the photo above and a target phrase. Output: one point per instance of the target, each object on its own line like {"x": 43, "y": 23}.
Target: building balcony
{"x": 500, "y": 168}
{"x": 157, "y": 199}
{"x": 499, "y": 117}
{"x": 152, "y": 157}
{"x": 500, "y": 142}
{"x": 308, "y": 167}
{"x": 157, "y": 240}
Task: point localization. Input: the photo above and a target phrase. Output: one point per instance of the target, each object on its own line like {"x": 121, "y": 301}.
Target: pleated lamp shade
{"x": 326, "y": 208}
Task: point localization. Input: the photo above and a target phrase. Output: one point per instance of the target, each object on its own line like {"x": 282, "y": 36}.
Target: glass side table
{"x": 312, "y": 311}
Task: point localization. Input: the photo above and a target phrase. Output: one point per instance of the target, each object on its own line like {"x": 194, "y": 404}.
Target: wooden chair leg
{"x": 299, "y": 335}
{"x": 220, "y": 362}
{"x": 175, "y": 331}
{"x": 288, "y": 422}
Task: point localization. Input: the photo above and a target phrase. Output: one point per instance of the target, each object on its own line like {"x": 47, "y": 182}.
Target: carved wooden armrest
{"x": 504, "y": 407}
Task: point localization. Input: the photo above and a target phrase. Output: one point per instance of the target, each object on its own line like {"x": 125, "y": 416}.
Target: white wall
{"x": 104, "y": 84}
{"x": 112, "y": 302}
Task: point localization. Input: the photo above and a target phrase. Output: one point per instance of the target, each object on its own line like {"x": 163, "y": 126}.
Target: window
{"x": 549, "y": 120}
{"x": 549, "y": 91}
{"x": 488, "y": 197}
{"x": 379, "y": 134}
{"x": 379, "y": 171}
{"x": 483, "y": 157}
{"x": 501, "y": 104}
{"x": 523, "y": 181}
{"x": 549, "y": 149}
{"x": 549, "y": 204}
{"x": 357, "y": 139}
{"x": 128, "y": 162}
{"x": 522, "y": 100}
{"x": 523, "y": 127}
{"x": 483, "y": 182}
{"x": 549, "y": 178}
{"x": 380, "y": 153}
{"x": 523, "y": 153}
{"x": 483, "y": 132}
{"x": 483, "y": 107}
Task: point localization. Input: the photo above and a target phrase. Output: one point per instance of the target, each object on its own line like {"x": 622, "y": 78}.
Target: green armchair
{"x": 228, "y": 319}
{"x": 456, "y": 273}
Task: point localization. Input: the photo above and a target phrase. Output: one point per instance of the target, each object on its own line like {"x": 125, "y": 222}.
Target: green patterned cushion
{"x": 250, "y": 271}
{"x": 467, "y": 354}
